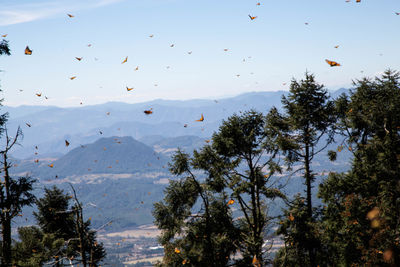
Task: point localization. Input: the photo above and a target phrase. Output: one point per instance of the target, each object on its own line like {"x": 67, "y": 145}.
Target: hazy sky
{"x": 266, "y": 52}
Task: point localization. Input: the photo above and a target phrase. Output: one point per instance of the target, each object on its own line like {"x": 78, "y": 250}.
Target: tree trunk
{"x": 6, "y": 220}
{"x": 308, "y": 177}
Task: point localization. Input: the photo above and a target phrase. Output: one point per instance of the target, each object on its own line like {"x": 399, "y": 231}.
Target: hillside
{"x": 113, "y": 155}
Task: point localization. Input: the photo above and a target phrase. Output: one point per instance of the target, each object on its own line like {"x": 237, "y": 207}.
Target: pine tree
{"x": 14, "y": 195}
{"x": 308, "y": 117}
{"x": 362, "y": 214}
{"x": 235, "y": 170}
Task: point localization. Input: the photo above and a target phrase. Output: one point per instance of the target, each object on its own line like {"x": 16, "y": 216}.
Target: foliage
{"x": 363, "y": 206}
{"x": 309, "y": 116}
{"x": 236, "y": 168}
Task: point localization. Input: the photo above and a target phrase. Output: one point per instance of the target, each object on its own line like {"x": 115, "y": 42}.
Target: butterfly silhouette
{"x": 129, "y": 89}
{"x": 28, "y": 51}
{"x": 71, "y": 16}
{"x": 201, "y": 119}
{"x": 125, "y": 60}
{"x": 252, "y": 18}
{"x": 332, "y": 63}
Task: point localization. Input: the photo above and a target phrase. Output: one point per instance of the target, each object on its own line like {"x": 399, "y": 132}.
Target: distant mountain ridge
{"x": 116, "y": 155}
{"x": 50, "y": 126}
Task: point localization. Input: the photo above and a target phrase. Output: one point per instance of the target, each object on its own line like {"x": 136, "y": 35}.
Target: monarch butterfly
{"x": 129, "y": 89}
{"x": 358, "y": 1}
{"x": 151, "y": 36}
{"x": 336, "y": 46}
{"x": 78, "y": 58}
{"x": 255, "y": 262}
{"x": 28, "y": 51}
{"x": 291, "y": 217}
{"x": 258, "y": 4}
{"x": 201, "y": 119}
{"x": 207, "y": 141}
{"x": 51, "y": 165}
{"x": 39, "y": 94}
{"x": 148, "y": 112}
{"x": 230, "y": 202}
{"x": 4, "y": 35}
{"x": 66, "y": 143}
{"x": 73, "y": 77}
{"x": 36, "y": 161}
{"x": 226, "y": 49}
{"x": 137, "y": 68}
{"x": 252, "y": 18}
{"x": 71, "y": 16}
{"x": 125, "y": 60}
{"x": 332, "y": 63}
{"x": 177, "y": 250}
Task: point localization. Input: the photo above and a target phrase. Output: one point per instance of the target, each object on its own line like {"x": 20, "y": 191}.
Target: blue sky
{"x": 266, "y": 52}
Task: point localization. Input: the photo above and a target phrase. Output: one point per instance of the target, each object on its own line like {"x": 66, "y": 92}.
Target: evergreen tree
{"x": 14, "y": 195}
{"x": 308, "y": 117}
{"x": 237, "y": 167}
{"x": 59, "y": 220}
{"x": 362, "y": 216}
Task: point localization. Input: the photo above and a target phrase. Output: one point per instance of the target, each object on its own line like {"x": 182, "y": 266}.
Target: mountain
{"x": 50, "y": 126}
{"x": 113, "y": 155}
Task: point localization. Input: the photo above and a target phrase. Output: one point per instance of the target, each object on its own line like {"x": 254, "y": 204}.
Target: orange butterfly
{"x": 39, "y": 94}
{"x": 332, "y": 63}
{"x": 258, "y": 4}
{"x": 336, "y": 46}
{"x": 148, "y": 112}
{"x": 125, "y": 60}
{"x": 129, "y": 89}
{"x": 71, "y": 16}
{"x": 255, "y": 262}
{"x": 230, "y": 202}
{"x": 36, "y": 161}
{"x": 73, "y": 77}
{"x": 137, "y": 68}
{"x": 78, "y": 58}
{"x": 4, "y": 35}
{"x": 28, "y": 51}
{"x": 291, "y": 217}
{"x": 177, "y": 250}
{"x": 252, "y": 18}
{"x": 358, "y": 1}
{"x": 201, "y": 119}
{"x": 51, "y": 165}
{"x": 66, "y": 143}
